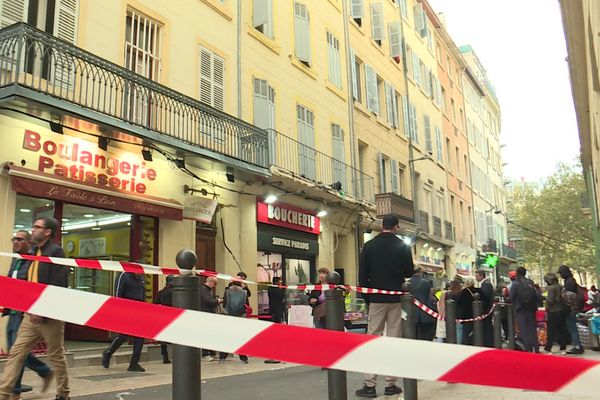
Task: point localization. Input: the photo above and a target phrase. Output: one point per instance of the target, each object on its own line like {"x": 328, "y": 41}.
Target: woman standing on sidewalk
{"x": 556, "y": 310}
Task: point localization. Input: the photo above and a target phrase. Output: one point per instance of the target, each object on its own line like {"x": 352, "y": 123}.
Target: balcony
{"x": 423, "y": 221}
{"x": 305, "y": 162}
{"x": 391, "y": 203}
{"x": 449, "y": 231}
{"x": 509, "y": 252}
{"x": 437, "y": 227}
{"x": 42, "y": 69}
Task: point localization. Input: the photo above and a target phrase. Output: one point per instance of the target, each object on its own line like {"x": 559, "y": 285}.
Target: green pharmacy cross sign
{"x": 489, "y": 259}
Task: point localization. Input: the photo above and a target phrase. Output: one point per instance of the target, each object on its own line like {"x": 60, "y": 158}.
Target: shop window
{"x": 268, "y": 266}
{"x": 29, "y": 209}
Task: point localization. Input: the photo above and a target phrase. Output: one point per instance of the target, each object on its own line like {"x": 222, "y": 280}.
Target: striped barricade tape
{"x": 316, "y": 347}
{"x": 437, "y": 315}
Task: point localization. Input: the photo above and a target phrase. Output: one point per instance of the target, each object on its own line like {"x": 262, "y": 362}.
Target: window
{"x": 394, "y": 174}
{"x": 212, "y": 79}
{"x": 457, "y": 159}
{"x": 302, "y": 33}
{"x": 420, "y": 19}
{"x": 377, "y": 27}
{"x": 339, "y": 155}
{"x": 262, "y": 17}
{"x": 264, "y": 112}
{"x": 416, "y": 69}
{"x": 356, "y": 71}
{"x": 453, "y": 109}
{"x": 414, "y": 133}
{"x": 306, "y": 137}
{"x": 448, "y": 155}
{"x": 395, "y": 32}
{"x": 402, "y": 180}
{"x": 357, "y": 11}
{"x": 372, "y": 90}
{"x": 405, "y": 116}
{"x": 404, "y": 8}
{"x": 382, "y": 161}
{"x": 391, "y": 105}
{"x": 428, "y": 143}
{"x": 443, "y": 100}
{"x": 409, "y": 62}
{"x": 143, "y": 56}
{"x": 438, "y": 145}
{"x": 333, "y": 47}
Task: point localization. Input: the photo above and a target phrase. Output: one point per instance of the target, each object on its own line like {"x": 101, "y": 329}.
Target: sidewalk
{"x": 297, "y": 381}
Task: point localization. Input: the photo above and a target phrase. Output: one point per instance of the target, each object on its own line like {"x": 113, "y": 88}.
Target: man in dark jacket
{"x": 572, "y": 287}
{"x": 164, "y": 297}
{"x": 33, "y": 326}
{"x": 276, "y": 300}
{"x": 18, "y": 270}
{"x": 487, "y": 300}
{"x": 420, "y": 288}
{"x": 525, "y": 305}
{"x": 128, "y": 286}
{"x": 385, "y": 263}
{"x": 209, "y": 303}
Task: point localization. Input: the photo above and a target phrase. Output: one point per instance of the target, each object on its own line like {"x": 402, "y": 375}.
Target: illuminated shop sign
{"x": 288, "y": 217}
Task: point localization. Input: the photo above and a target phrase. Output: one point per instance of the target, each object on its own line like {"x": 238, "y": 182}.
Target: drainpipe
{"x": 239, "y": 59}
{"x": 350, "y": 96}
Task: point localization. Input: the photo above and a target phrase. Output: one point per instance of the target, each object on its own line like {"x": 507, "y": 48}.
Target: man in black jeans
{"x": 129, "y": 286}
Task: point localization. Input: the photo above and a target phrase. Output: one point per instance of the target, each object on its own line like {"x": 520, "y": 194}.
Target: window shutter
{"x": 372, "y": 95}
{"x": 381, "y": 172}
{"x": 404, "y": 8}
{"x": 333, "y": 47}
{"x": 428, "y": 143}
{"x": 357, "y": 9}
{"x": 405, "y": 116}
{"x": 65, "y": 28}
{"x": 394, "y": 174}
{"x": 205, "y": 76}
{"x": 416, "y": 68}
{"x": 354, "y": 75}
{"x": 13, "y": 11}
{"x": 260, "y": 12}
{"x": 414, "y": 132}
{"x": 419, "y": 17}
{"x": 377, "y": 31}
{"x": 389, "y": 103}
{"x": 264, "y": 113}
{"x": 395, "y": 108}
{"x": 218, "y": 83}
{"x": 339, "y": 155}
{"x": 302, "y": 33}
{"x": 395, "y": 39}
{"x": 438, "y": 142}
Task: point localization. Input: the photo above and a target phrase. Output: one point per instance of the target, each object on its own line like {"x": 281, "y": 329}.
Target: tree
{"x": 551, "y": 225}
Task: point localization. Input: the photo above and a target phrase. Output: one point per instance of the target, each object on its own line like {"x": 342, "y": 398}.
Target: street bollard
{"x": 497, "y": 321}
{"x": 334, "y": 320}
{"x": 451, "y": 322}
{"x": 186, "y": 360}
{"x": 477, "y": 324}
{"x": 409, "y": 331}
{"x": 510, "y": 316}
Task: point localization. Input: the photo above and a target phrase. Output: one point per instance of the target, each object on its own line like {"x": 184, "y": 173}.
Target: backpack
{"x": 527, "y": 294}
{"x": 236, "y": 302}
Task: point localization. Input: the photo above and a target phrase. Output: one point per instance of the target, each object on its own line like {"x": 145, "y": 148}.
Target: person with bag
{"x": 209, "y": 303}
{"x": 574, "y": 299}
{"x": 164, "y": 297}
{"x": 524, "y": 297}
{"x": 317, "y": 299}
{"x": 556, "y": 311}
{"x": 464, "y": 310}
{"x": 234, "y": 304}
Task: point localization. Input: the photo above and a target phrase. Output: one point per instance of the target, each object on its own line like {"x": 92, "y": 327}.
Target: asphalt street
{"x": 292, "y": 383}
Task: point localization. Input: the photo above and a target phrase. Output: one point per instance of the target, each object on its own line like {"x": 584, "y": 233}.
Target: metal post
{"x": 409, "y": 331}
{"x": 186, "y": 360}
{"x": 478, "y": 324}
{"x": 511, "y": 326}
{"x": 451, "y": 321}
{"x": 497, "y": 321}
{"x": 334, "y": 320}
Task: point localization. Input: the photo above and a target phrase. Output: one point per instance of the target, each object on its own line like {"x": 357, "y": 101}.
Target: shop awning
{"x": 53, "y": 187}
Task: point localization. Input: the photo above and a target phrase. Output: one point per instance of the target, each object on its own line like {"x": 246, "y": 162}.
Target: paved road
{"x": 292, "y": 383}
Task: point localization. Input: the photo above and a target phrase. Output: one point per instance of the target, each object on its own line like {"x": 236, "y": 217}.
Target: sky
{"x": 521, "y": 44}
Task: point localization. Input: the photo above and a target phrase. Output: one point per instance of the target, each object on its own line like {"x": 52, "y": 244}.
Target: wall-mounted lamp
{"x": 322, "y": 213}
{"x": 147, "y": 155}
{"x": 103, "y": 143}
{"x": 179, "y": 162}
{"x": 270, "y": 199}
{"x": 187, "y": 189}
{"x": 426, "y": 245}
{"x": 439, "y": 249}
{"x": 56, "y": 127}
{"x": 428, "y": 156}
{"x": 230, "y": 175}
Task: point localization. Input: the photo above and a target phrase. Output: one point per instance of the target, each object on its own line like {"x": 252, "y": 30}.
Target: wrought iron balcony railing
{"x": 391, "y": 203}
{"x": 509, "y": 252}
{"x": 38, "y": 61}
{"x": 305, "y": 161}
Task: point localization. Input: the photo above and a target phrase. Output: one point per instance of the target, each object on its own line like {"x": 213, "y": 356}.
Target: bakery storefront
{"x": 109, "y": 202}
{"x": 287, "y": 245}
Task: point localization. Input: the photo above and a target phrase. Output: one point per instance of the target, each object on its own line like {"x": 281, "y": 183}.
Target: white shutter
{"x": 302, "y": 33}
{"x": 428, "y": 142}
{"x": 356, "y": 9}
{"x": 381, "y": 172}
{"x": 206, "y": 76}
{"x": 419, "y": 17}
{"x": 218, "y": 83}
{"x": 395, "y": 39}
{"x": 416, "y": 69}
{"x": 394, "y": 174}
{"x": 405, "y": 116}
{"x": 414, "y": 132}
{"x": 404, "y": 8}
{"x": 377, "y": 30}
{"x": 260, "y": 12}
{"x": 212, "y": 79}
{"x": 438, "y": 142}
{"x": 65, "y": 28}
{"x": 13, "y": 11}
{"x": 372, "y": 95}
{"x": 354, "y": 75}
{"x": 339, "y": 155}
{"x": 389, "y": 105}
{"x": 333, "y": 47}
{"x": 394, "y": 108}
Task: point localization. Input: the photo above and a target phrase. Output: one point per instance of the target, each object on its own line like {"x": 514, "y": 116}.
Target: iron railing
{"x": 305, "y": 161}
{"x": 437, "y": 226}
{"x": 449, "y": 230}
{"x": 423, "y": 221}
{"x": 41, "y": 62}
{"x": 509, "y": 252}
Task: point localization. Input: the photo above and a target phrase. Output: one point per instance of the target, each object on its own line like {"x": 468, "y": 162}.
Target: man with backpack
{"x": 234, "y": 301}
{"x": 573, "y": 296}
{"x": 524, "y": 297}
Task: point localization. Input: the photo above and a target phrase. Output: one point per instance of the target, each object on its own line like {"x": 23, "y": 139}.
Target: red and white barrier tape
{"x": 316, "y": 347}
{"x": 436, "y": 315}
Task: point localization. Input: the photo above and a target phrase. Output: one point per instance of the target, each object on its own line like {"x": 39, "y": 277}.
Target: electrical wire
{"x": 225, "y": 243}
{"x": 562, "y": 241}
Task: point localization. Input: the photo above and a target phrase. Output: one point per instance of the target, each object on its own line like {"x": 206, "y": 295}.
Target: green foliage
{"x": 555, "y": 212}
